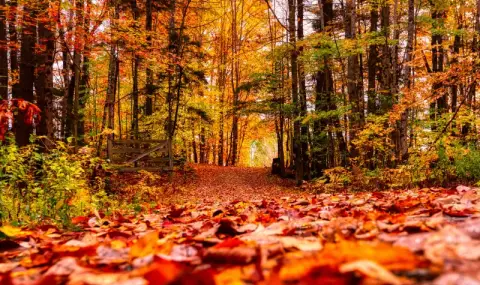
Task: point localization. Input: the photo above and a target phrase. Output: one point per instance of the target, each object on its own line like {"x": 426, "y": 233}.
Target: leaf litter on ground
{"x": 421, "y": 236}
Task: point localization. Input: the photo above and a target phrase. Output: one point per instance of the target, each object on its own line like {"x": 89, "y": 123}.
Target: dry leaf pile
{"x": 425, "y": 236}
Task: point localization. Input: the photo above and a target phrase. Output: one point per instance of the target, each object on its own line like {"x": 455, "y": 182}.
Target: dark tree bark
{"x": 77, "y": 67}
{"x": 354, "y": 83}
{"x": 235, "y": 81}
{"x": 386, "y": 74}
{"x": 13, "y": 41}
{"x": 112, "y": 82}
{"x": 303, "y": 94}
{"x": 403, "y": 124}
{"x": 84, "y": 88}
{"x": 3, "y": 52}
{"x": 297, "y": 141}
{"x": 136, "y": 64}
{"x": 372, "y": 107}
{"x": 203, "y": 146}
{"x": 23, "y": 130}
{"x": 439, "y": 105}
{"x": 44, "y": 80}
{"x": 149, "y": 84}
{"x": 328, "y": 136}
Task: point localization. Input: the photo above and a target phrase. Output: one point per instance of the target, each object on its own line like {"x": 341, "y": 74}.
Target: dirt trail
{"x": 213, "y": 183}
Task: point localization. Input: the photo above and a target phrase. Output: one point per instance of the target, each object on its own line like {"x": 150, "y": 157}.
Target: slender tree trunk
{"x": 77, "y": 65}
{"x": 194, "y": 143}
{"x": 303, "y": 93}
{"x": 438, "y": 106}
{"x": 149, "y": 83}
{"x": 403, "y": 124}
{"x": 297, "y": 144}
{"x": 66, "y": 113}
{"x": 44, "y": 79}
{"x": 234, "y": 83}
{"x": 112, "y": 72}
{"x": 386, "y": 74}
{"x": 84, "y": 87}
{"x": 13, "y": 41}
{"x": 23, "y": 128}
{"x": 3, "y": 52}
{"x": 136, "y": 64}
{"x": 203, "y": 146}
{"x": 372, "y": 63}
{"x": 354, "y": 84}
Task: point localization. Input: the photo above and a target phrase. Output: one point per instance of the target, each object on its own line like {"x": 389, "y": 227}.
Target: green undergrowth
{"x": 445, "y": 165}
{"x": 52, "y": 185}
{"x": 48, "y": 185}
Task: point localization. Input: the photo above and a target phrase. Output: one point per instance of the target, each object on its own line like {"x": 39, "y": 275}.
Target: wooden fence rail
{"x": 134, "y": 155}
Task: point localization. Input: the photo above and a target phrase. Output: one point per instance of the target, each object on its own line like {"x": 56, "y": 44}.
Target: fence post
{"x": 109, "y": 149}
{"x": 170, "y": 155}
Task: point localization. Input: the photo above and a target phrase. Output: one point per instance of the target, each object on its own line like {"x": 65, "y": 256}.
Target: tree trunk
{"x": 77, "y": 65}
{"x": 136, "y": 64}
{"x": 84, "y": 87}
{"x": 3, "y": 52}
{"x": 149, "y": 83}
{"x": 112, "y": 77}
{"x": 303, "y": 94}
{"x": 354, "y": 84}
{"x": 386, "y": 74}
{"x": 13, "y": 41}
{"x": 24, "y": 129}
{"x": 439, "y": 105}
{"x": 297, "y": 142}
{"x": 44, "y": 80}
{"x": 372, "y": 107}
{"x": 403, "y": 124}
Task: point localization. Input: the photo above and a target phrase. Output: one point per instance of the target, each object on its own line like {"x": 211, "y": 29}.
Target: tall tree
{"x": 136, "y": 64}
{"x": 149, "y": 83}
{"x": 44, "y": 71}
{"x": 13, "y": 42}
{"x": 354, "y": 82}
{"x": 23, "y": 128}
{"x": 439, "y": 104}
{"x": 303, "y": 92}
{"x": 373, "y": 61}
{"x": 112, "y": 76}
{"x": 77, "y": 66}
{"x": 3, "y": 51}
{"x": 297, "y": 142}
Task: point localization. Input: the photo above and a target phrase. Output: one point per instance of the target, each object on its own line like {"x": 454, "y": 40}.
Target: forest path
{"x": 214, "y": 183}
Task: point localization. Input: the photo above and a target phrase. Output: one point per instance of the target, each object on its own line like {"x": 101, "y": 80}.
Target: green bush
{"x": 467, "y": 165}
{"x": 39, "y": 186}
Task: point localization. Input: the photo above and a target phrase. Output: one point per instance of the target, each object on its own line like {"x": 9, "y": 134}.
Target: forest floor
{"x": 211, "y": 183}
{"x": 243, "y": 226}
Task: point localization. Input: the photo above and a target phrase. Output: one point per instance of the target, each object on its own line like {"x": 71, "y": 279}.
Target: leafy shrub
{"x": 467, "y": 165}
{"x": 37, "y": 186}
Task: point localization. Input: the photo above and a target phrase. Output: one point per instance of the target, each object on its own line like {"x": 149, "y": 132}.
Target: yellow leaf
{"x": 145, "y": 245}
{"x": 10, "y": 231}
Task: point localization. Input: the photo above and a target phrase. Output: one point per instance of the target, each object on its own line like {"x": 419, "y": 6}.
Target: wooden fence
{"x": 135, "y": 155}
